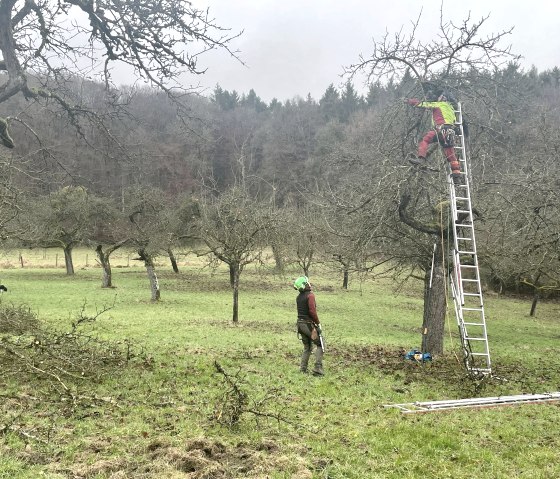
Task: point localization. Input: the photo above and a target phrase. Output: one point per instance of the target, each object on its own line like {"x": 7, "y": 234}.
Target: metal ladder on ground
{"x": 465, "y": 279}
{"x": 431, "y": 406}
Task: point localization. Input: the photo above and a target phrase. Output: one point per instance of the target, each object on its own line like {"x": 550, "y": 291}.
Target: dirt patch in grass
{"x": 219, "y": 282}
{"x": 203, "y": 458}
{"x": 447, "y": 373}
{"x": 258, "y": 326}
{"x": 199, "y": 458}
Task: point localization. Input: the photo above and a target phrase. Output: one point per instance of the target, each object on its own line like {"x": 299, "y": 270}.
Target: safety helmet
{"x": 432, "y": 94}
{"x": 300, "y": 283}
{"x": 446, "y": 95}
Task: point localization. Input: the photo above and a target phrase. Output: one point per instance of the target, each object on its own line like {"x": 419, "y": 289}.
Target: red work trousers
{"x": 431, "y": 137}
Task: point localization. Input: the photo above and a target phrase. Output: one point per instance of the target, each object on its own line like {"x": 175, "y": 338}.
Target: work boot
{"x": 318, "y": 369}
{"x": 304, "y": 360}
{"x": 417, "y": 160}
{"x": 457, "y": 178}
{"x": 4, "y": 135}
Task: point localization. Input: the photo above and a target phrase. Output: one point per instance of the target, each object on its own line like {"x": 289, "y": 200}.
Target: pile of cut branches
{"x": 235, "y": 401}
{"x": 31, "y": 352}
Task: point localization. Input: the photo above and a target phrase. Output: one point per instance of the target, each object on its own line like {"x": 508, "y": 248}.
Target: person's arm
{"x": 424, "y": 104}
{"x": 313, "y": 308}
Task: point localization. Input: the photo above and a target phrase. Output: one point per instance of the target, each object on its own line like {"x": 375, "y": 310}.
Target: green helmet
{"x": 300, "y": 283}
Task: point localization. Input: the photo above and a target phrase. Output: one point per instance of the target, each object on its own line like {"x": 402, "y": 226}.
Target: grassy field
{"x": 169, "y": 413}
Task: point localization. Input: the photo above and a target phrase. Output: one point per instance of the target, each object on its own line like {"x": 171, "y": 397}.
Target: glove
{"x": 3, "y": 288}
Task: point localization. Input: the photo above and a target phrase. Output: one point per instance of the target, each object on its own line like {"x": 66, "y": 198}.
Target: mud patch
{"x": 446, "y": 373}
{"x": 199, "y": 458}
{"x": 202, "y": 458}
{"x": 100, "y": 468}
{"x": 259, "y": 326}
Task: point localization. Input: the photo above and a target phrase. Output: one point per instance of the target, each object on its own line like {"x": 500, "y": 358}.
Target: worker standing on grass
{"x": 443, "y": 122}
{"x": 308, "y": 326}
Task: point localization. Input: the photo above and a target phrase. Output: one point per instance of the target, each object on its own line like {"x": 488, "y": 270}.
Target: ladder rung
{"x": 472, "y": 309}
{"x": 463, "y": 225}
{"x": 466, "y": 252}
{"x": 474, "y": 324}
{"x": 479, "y": 354}
{"x": 468, "y": 338}
{"x": 461, "y": 197}
{"x": 461, "y": 238}
{"x": 468, "y": 280}
{"x": 471, "y": 294}
{"x": 464, "y": 211}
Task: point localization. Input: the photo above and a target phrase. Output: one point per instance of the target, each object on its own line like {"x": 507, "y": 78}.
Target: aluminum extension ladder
{"x": 465, "y": 279}
{"x": 430, "y": 406}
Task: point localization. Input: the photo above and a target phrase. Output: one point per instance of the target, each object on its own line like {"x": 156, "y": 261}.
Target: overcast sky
{"x": 296, "y": 47}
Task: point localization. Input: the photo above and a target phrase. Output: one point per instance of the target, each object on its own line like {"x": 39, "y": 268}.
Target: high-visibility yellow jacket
{"x": 443, "y": 112}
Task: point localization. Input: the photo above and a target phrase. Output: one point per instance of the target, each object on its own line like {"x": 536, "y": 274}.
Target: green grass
{"x": 141, "y": 420}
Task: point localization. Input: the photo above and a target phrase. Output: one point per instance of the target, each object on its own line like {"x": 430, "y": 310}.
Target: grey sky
{"x": 296, "y": 47}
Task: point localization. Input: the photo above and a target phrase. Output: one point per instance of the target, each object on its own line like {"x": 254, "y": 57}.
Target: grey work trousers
{"x": 304, "y": 330}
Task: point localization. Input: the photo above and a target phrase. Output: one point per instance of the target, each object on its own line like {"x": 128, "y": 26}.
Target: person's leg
{"x": 452, "y": 159}
{"x": 305, "y": 334}
{"x": 424, "y": 144}
{"x": 318, "y": 369}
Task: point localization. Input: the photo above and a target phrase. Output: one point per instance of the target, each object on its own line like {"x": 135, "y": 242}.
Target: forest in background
{"x": 162, "y": 168}
{"x": 331, "y": 171}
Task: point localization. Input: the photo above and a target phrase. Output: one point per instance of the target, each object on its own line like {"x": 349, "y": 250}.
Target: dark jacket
{"x": 306, "y": 307}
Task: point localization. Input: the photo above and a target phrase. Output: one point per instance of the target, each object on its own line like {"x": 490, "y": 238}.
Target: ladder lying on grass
{"x": 415, "y": 407}
{"x": 465, "y": 280}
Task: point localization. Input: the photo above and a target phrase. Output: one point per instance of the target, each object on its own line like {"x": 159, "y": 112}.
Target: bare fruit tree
{"x": 458, "y": 55}
{"x": 453, "y": 54}
{"x": 48, "y": 47}
{"x": 51, "y": 41}
{"x": 234, "y": 225}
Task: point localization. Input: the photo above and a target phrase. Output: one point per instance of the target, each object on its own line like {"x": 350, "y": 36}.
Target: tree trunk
{"x": 152, "y": 276}
{"x": 235, "y": 271}
{"x": 104, "y": 259}
{"x": 106, "y": 282}
{"x": 173, "y": 260}
{"x": 278, "y": 259}
{"x": 435, "y": 305}
{"x": 345, "y": 278}
{"x": 536, "y": 297}
{"x": 68, "y": 259}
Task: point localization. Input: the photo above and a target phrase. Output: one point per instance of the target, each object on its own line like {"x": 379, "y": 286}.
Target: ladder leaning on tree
{"x": 465, "y": 279}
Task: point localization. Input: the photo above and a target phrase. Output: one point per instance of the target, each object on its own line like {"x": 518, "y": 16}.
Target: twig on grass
{"x": 235, "y": 402}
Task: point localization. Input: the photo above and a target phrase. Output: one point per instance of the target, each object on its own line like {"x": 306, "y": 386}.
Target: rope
{"x": 445, "y": 270}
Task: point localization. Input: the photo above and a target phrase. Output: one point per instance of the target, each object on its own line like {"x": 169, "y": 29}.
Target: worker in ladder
{"x": 443, "y": 122}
